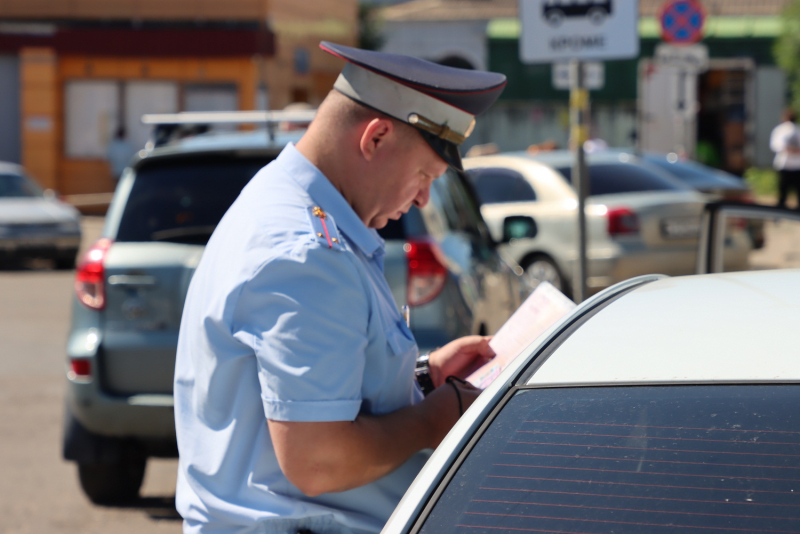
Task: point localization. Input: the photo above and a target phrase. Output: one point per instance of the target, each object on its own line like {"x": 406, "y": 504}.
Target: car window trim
{"x": 472, "y": 197}
{"x": 542, "y": 352}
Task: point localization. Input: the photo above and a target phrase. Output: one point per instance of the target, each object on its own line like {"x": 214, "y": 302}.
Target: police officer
{"x": 295, "y": 401}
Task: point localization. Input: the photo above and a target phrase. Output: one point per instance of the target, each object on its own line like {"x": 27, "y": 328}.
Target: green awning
{"x": 650, "y": 28}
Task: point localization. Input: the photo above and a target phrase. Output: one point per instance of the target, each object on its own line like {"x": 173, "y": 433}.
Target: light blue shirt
{"x": 283, "y": 323}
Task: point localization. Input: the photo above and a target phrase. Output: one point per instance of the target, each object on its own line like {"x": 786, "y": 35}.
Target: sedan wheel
{"x": 544, "y": 270}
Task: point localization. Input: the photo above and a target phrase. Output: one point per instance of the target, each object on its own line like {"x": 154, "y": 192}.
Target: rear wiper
{"x": 173, "y": 234}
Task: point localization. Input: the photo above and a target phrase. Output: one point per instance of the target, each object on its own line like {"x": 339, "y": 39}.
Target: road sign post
{"x": 682, "y": 24}
{"x": 594, "y": 77}
{"x": 578, "y": 31}
{"x": 579, "y": 133}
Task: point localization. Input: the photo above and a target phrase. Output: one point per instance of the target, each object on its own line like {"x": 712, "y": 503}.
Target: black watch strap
{"x": 423, "y": 374}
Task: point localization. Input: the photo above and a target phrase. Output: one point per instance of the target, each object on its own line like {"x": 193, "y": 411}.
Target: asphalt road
{"x": 39, "y": 492}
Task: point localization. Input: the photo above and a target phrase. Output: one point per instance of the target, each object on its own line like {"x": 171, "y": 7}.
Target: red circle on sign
{"x": 682, "y": 21}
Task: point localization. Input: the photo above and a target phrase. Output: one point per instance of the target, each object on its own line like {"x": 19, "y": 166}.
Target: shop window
{"x": 91, "y": 117}
{"x": 202, "y": 97}
{"x": 147, "y": 97}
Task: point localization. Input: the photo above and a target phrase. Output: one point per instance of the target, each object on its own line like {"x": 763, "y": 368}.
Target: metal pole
{"x": 681, "y": 115}
{"x": 579, "y": 133}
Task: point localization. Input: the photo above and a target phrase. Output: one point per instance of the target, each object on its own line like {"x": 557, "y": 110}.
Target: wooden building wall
{"x": 293, "y": 69}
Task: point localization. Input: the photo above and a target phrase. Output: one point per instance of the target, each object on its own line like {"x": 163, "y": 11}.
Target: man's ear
{"x": 375, "y": 136}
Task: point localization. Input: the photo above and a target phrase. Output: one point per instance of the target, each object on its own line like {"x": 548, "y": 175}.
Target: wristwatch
{"x": 423, "y": 374}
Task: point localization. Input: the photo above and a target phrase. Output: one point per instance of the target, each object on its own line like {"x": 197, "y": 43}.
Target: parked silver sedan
{"x": 659, "y": 405}
{"x": 639, "y": 220}
{"x": 35, "y": 223}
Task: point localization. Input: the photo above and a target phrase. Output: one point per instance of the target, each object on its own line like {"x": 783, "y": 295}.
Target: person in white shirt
{"x": 785, "y": 142}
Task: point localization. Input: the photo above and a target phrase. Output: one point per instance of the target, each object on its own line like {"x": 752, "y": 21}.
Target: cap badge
{"x": 442, "y": 131}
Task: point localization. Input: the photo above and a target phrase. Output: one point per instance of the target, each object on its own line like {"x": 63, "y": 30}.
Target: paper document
{"x": 540, "y": 311}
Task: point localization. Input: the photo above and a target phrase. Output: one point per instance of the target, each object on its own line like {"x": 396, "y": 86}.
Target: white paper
{"x": 540, "y": 311}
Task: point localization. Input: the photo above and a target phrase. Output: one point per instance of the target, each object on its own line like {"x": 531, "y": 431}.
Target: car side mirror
{"x": 519, "y": 227}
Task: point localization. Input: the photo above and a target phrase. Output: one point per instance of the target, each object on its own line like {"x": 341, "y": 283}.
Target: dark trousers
{"x": 788, "y": 180}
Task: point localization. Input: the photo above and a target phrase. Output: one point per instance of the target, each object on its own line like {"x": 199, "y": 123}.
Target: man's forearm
{"x": 337, "y": 456}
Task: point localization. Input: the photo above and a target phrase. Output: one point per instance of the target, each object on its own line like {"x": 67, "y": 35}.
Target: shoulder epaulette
{"x": 324, "y": 228}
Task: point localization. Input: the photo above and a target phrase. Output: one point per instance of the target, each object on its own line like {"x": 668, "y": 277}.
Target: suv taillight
{"x": 426, "y": 272}
{"x": 90, "y": 275}
{"x": 622, "y": 221}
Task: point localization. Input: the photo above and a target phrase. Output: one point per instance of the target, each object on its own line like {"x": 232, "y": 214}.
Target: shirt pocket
{"x": 400, "y": 339}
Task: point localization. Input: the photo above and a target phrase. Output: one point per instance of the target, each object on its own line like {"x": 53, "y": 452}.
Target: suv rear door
{"x": 170, "y": 210}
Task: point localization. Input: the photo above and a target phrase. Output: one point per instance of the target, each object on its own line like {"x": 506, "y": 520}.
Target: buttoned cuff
{"x": 311, "y": 411}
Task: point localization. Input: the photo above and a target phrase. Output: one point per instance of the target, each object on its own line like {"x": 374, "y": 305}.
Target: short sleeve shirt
{"x": 290, "y": 318}
{"x": 783, "y": 136}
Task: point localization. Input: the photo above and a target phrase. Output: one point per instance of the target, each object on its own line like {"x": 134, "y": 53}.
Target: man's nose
{"x": 422, "y": 197}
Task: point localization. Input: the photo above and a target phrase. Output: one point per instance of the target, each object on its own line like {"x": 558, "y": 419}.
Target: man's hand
{"x": 460, "y": 358}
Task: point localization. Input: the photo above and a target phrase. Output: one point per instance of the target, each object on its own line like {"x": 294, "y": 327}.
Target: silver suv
{"x": 131, "y": 285}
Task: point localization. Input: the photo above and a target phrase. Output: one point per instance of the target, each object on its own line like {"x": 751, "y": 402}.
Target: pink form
{"x": 540, "y": 311}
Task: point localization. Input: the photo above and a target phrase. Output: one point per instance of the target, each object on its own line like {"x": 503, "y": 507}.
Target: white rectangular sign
{"x": 693, "y": 58}
{"x": 561, "y": 30}
{"x": 594, "y": 75}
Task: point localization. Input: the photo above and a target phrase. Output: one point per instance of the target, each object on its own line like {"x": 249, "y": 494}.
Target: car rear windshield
{"x": 718, "y": 458}
{"x": 14, "y": 185}
{"x": 613, "y": 178}
{"x": 500, "y": 185}
{"x": 689, "y": 171}
{"x": 183, "y": 200}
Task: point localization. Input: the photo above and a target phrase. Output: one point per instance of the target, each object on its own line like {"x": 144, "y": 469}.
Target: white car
{"x": 35, "y": 223}
{"x": 659, "y": 405}
{"x": 639, "y": 219}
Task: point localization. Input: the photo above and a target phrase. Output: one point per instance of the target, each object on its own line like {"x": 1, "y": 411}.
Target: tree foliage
{"x": 787, "y": 49}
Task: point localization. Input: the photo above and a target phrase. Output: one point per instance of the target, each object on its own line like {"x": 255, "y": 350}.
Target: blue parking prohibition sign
{"x": 682, "y": 21}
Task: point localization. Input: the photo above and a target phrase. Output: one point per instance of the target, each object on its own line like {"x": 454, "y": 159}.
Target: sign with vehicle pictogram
{"x": 682, "y": 21}
{"x": 562, "y": 30}
{"x": 575, "y": 31}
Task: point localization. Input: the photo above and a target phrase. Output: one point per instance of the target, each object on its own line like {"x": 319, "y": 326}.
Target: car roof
{"x": 215, "y": 141}
{"x": 731, "y": 327}
{"x": 565, "y": 158}
{"x": 698, "y": 175}
{"x": 11, "y": 168}
{"x": 549, "y": 184}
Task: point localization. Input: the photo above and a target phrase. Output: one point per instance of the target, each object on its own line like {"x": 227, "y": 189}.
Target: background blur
{"x": 73, "y": 72}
